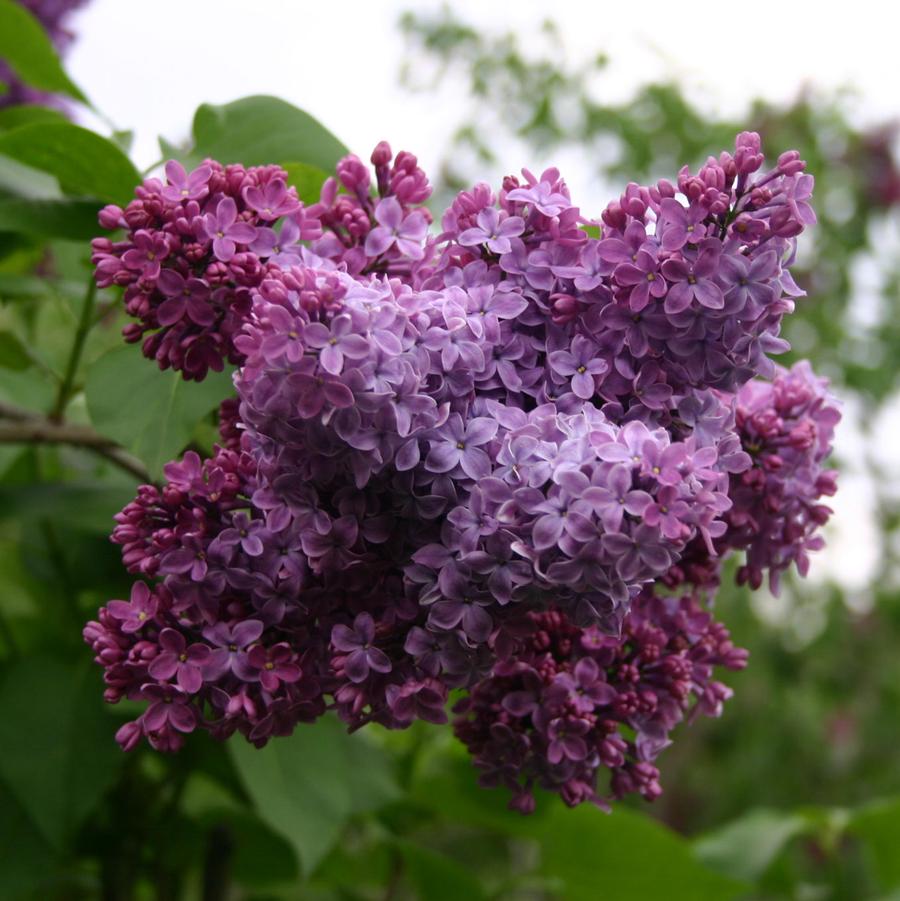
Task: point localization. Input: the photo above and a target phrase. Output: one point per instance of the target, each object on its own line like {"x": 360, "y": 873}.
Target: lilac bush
{"x": 508, "y": 457}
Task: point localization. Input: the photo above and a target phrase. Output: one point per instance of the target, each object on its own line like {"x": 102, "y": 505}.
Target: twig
{"x": 26, "y": 428}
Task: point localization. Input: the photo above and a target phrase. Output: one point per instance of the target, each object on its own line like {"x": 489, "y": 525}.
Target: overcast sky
{"x": 149, "y": 63}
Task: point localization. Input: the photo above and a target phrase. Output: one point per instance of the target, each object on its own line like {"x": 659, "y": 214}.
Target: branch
{"x": 25, "y": 427}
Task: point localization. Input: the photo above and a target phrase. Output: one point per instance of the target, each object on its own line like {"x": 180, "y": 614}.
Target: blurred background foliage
{"x": 793, "y": 794}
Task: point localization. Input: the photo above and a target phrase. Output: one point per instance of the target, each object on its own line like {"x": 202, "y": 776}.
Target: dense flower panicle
{"x": 566, "y": 702}
{"x": 53, "y": 16}
{"x": 787, "y": 427}
{"x": 464, "y": 461}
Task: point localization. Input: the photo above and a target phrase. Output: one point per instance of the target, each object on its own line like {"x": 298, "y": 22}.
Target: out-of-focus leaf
{"x": 152, "y": 413}
{"x": 746, "y": 848}
{"x": 25, "y": 114}
{"x": 13, "y": 285}
{"x": 124, "y": 139}
{"x": 173, "y": 151}
{"x": 261, "y": 856}
{"x": 26, "y": 47}
{"x": 587, "y": 854}
{"x": 878, "y": 826}
{"x": 437, "y": 877}
{"x": 84, "y": 163}
{"x": 308, "y": 785}
{"x": 26, "y": 858}
{"x": 75, "y": 220}
{"x": 623, "y": 856}
{"x": 308, "y": 180}
{"x": 58, "y": 755}
{"x": 20, "y": 180}
{"x": 260, "y": 130}
{"x": 88, "y": 506}
{"x": 12, "y": 352}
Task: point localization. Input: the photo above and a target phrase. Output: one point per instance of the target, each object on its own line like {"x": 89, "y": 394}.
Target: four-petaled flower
{"x": 461, "y": 444}
{"x": 357, "y": 643}
{"x": 492, "y": 230}
{"x": 225, "y": 230}
{"x": 581, "y": 364}
{"x": 179, "y": 659}
{"x": 405, "y": 230}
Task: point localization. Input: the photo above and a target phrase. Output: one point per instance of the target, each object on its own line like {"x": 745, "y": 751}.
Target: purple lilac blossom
{"x": 465, "y": 461}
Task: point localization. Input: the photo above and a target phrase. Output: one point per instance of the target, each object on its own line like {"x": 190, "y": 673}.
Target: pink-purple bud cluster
{"x": 195, "y": 246}
{"x": 786, "y": 426}
{"x": 463, "y": 461}
{"x": 564, "y": 702}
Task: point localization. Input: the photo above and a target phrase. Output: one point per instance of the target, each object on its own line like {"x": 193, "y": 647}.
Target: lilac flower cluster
{"x": 786, "y": 427}
{"x": 52, "y": 15}
{"x": 195, "y": 247}
{"x": 565, "y": 702}
{"x": 462, "y": 461}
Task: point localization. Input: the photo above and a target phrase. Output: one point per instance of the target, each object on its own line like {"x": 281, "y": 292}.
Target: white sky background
{"x": 149, "y": 63}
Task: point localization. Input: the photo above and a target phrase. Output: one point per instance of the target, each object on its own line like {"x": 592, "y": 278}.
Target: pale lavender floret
{"x": 281, "y": 248}
{"x": 225, "y": 230}
{"x": 184, "y": 186}
{"x": 693, "y": 280}
{"x": 406, "y": 231}
{"x": 643, "y": 277}
{"x": 748, "y": 284}
{"x": 459, "y": 444}
{"x": 493, "y": 231}
{"x": 335, "y": 343}
{"x": 271, "y": 201}
{"x": 679, "y": 225}
{"x": 581, "y": 365}
{"x": 542, "y": 197}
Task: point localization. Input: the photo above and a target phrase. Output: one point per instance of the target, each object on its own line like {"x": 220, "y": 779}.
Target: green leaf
{"x": 73, "y": 220}
{"x": 747, "y": 847}
{"x": 26, "y": 860}
{"x": 878, "y": 826}
{"x": 84, "y": 163}
{"x": 438, "y": 877}
{"x": 26, "y": 114}
{"x": 308, "y": 180}
{"x": 151, "y": 413}
{"x": 26, "y": 47}
{"x": 58, "y": 756}
{"x": 88, "y": 506}
{"x": 259, "y": 130}
{"x": 12, "y": 352}
{"x": 623, "y": 856}
{"x": 308, "y": 785}
{"x": 20, "y": 180}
